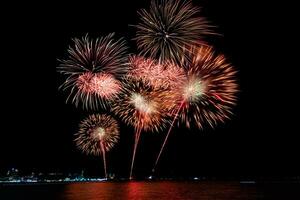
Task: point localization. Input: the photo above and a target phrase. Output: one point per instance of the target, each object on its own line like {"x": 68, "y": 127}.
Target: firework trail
{"x": 93, "y": 68}
{"x": 168, "y": 27}
{"x": 209, "y": 92}
{"x": 142, "y": 106}
{"x": 167, "y": 136}
{"x": 97, "y": 134}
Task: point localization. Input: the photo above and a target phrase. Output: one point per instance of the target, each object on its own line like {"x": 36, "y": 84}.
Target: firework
{"x": 159, "y": 74}
{"x": 97, "y": 134}
{"x": 93, "y": 68}
{"x": 142, "y": 106}
{"x": 168, "y": 27}
{"x": 208, "y": 93}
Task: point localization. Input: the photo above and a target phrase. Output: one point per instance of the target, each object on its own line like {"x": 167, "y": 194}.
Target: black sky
{"x": 37, "y": 126}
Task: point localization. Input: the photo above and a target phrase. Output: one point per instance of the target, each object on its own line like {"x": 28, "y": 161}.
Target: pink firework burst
{"x": 84, "y": 83}
{"x": 105, "y": 85}
{"x": 159, "y": 74}
{"x": 96, "y": 88}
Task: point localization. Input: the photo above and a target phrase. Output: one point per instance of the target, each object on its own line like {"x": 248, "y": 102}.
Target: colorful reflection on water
{"x": 159, "y": 190}
{"x": 151, "y": 190}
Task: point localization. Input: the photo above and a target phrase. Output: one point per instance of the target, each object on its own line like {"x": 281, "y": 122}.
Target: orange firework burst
{"x": 142, "y": 106}
{"x": 97, "y": 134}
{"x": 209, "y": 92}
{"x": 163, "y": 74}
{"x": 168, "y": 27}
{"x": 92, "y": 70}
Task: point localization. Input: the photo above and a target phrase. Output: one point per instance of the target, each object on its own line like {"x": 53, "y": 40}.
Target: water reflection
{"x": 159, "y": 190}
{"x": 162, "y": 190}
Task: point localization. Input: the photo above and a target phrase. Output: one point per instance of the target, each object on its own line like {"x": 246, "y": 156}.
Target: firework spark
{"x": 168, "y": 27}
{"x": 209, "y": 92}
{"x": 142, "y": 106}
{"x": 97, "y": 134}
{"x": 163, "y": 74}
{"x": 93, "y": 69}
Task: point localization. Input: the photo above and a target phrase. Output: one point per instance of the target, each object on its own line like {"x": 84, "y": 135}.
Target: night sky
{"x": 37, "y": 126}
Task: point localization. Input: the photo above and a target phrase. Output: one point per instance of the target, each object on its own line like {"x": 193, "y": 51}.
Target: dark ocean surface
{"x": 149, "y": 190}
